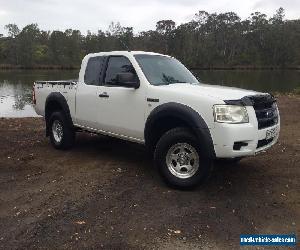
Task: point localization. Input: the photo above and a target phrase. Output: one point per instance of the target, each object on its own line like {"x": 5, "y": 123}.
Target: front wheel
{"x": 62, "y": 136}
{"x": 180, "y": 160}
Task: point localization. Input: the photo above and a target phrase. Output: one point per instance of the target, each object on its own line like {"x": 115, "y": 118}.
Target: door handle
{"x": 104, "y": 95}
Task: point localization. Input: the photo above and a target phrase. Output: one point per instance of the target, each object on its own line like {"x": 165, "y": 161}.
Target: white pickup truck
{"x": 154, "y": 100}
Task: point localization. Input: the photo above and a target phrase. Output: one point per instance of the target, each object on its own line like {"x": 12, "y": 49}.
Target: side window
{"x": 93, "y": 70}
{"x": 116, "y": 65}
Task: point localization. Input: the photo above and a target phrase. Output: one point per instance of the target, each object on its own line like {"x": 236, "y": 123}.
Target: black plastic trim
{"x": 239, "y": 144}
{"x": 264, "y": 142}
{"x": 152, "y": 100}
{"x": 57, "y": 98}
{"x": 251, "y": 100}
{"x": 194, "y": 120}
{"x": 266, "y": 112}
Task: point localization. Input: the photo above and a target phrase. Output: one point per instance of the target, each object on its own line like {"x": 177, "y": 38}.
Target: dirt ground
{"x": 106, "y": 193}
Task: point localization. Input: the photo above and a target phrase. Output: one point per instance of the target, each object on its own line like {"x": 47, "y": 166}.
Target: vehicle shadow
{"x": 135, "y": 157}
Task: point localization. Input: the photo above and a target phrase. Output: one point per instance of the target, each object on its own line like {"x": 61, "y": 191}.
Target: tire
{"x": 176, "y": 149}
{"x": 62, "y": 136}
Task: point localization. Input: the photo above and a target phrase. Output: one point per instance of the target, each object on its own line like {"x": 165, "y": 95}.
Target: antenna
{"x": 124, "y": 45}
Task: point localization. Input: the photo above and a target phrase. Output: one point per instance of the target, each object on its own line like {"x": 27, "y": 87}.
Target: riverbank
{"x": 247, "y": 67}
{"x": 37, "y": 67}
{"x": 105, "y": 193}
{"x": 70, "y": 67}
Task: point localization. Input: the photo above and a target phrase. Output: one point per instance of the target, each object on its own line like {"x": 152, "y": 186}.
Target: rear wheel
{"x": 180, "y": 160}
{"x": 62, "y": 136}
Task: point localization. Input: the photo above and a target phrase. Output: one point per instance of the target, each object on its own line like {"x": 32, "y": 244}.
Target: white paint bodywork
{"x": 125, "y": 112}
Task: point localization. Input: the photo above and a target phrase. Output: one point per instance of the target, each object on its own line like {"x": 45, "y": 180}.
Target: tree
{"x": 165, "y": 28}
{"x": 114, "y": 29}
{"x": 278, "y": 17}
{"x": 10, "y": 48}
{"x": 209, "y": 40}
{"x": 13, "y": 30}
{"x": 27, "y": 43}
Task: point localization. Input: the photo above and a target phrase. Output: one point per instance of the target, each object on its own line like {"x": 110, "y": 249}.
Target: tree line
{"x": 210, "y": 40}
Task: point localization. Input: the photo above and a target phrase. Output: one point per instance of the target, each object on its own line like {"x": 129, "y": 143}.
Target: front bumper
{"x": 254, "y": 140}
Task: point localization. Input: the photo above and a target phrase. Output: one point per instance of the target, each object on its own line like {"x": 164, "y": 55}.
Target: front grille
{"x": 265, "y": 109}
{"x": 264, "y": 142}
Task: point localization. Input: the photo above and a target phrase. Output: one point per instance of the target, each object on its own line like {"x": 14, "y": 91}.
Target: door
{"x": 87, "y": 94}
{"x": 121, "y": 108}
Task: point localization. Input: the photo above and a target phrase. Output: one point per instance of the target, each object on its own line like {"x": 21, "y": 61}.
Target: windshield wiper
{"x": 171, "y": 79}
{"x": 176, "y": 82}
{"x": 168, "y": 83}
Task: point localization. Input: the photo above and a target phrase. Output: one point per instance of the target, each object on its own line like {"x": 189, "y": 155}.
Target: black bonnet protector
{"x": 258, "y": 101}
{"x": 265, "y": 110}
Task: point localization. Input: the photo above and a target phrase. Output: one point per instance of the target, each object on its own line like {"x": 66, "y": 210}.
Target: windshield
{"x": 162, "y": 70}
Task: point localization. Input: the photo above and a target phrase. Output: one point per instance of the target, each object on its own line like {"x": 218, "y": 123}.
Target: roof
{"x": 123, "y": 52}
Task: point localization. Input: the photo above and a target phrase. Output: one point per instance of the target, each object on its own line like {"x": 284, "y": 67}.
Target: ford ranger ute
{"x": 153, "y": 99}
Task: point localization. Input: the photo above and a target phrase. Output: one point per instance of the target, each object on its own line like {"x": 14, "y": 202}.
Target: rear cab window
{"x": 94, "y": 70}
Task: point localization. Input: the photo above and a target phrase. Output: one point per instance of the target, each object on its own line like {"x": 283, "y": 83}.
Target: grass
{"x": 297, "y": 91}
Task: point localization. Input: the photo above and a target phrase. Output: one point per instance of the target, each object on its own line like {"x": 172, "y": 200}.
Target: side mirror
{"x": 128, "y": 79}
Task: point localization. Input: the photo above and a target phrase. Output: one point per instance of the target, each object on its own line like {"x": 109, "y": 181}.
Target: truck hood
{"x": 215, "y": 91}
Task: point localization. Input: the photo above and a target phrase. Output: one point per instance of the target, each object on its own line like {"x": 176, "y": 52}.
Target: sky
{"x": 140, "y": 14}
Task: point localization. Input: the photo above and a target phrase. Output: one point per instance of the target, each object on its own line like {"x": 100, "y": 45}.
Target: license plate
{"x": 271, "y": 133}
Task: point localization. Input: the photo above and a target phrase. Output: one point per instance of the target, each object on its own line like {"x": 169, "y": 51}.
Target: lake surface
{"x": 16, "y": 89}
{"x": 16, "y": 86}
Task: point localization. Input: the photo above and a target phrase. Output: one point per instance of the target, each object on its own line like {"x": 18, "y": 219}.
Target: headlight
{"x": 230, "y": 114}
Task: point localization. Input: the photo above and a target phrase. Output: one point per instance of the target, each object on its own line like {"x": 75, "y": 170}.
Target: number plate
{"x": 271, "y": 133}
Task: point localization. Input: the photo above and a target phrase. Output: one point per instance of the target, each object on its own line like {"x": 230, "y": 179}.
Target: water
{"x": 260, "y": 80}
{"x": 16, "y": 86}
{"x": 16, "y": 89}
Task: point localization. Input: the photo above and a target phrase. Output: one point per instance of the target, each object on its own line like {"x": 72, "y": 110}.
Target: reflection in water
{"x": 16, "y": 86}
{"x": 10, "y": 108}
{"x": 15, "y": 100}
{"x": 16, "y": 90}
